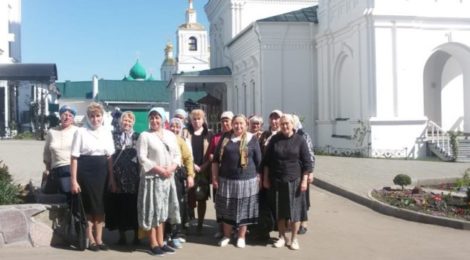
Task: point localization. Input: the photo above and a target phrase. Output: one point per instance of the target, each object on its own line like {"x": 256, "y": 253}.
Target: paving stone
{"x": 13, "y": 225}
{"x": 41, "y": 234}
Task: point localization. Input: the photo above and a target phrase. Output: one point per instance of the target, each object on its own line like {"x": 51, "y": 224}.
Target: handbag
{"x": 73, "y": 229}
{"x": 57, "y": 180}
{"x": 201, "y": 188}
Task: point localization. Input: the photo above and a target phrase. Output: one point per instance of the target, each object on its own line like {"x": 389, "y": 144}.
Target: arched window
{"x": 192, "y": 44}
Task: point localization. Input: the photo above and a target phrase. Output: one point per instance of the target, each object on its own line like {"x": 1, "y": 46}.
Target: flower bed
{"x": 417, "y": 199}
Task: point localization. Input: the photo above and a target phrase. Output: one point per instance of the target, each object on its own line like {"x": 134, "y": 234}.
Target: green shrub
{"x": 402, "y": 180}
{"x": 464, "y": 181}
{"x": 4, "y": 173}
{"x": 25, "y": 136}
{"x": 9, "y": 193}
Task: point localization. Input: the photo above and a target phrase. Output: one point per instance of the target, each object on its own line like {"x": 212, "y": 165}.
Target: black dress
{"x": 288, "y": 158}
{"x": 121, "y": 206}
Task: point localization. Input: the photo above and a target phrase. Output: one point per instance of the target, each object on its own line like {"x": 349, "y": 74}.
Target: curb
{"x": 389, "y": 210}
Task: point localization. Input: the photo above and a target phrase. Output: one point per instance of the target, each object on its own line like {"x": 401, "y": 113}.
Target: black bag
{"x": 57, "y": 181}
{"x": 73, "y": 228}
{"x": 181, "y": 174}
{"x": 201, "y": 186}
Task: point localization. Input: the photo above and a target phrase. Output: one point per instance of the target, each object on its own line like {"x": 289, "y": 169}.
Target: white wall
{"x": 230, "y": 17}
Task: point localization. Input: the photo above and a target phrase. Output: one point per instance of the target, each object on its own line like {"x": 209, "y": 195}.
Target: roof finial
{"x": 190, "y": 4}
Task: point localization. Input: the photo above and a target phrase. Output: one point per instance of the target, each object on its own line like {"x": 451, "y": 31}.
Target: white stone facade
{"x": 367, "y": 77}
{"x": 10, "y": 51}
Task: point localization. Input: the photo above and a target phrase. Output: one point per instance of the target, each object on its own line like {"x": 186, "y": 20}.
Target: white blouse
{"x": 92, "y": 142}
{"x": 58, "y": 146}
{"x": 153, "y": 151}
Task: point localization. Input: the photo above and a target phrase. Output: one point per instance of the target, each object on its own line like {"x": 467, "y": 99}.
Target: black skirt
{"x": 289, "y": 201}
{"x": 91, "y": 176}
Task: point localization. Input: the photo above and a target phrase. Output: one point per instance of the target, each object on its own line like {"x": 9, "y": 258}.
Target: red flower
{"x": 437, "y": 197}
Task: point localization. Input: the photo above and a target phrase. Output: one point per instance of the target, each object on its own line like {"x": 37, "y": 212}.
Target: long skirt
{"x": 237, "y": 201}
{"x": 289, "y": 201}
{"x": 91, "y": 176}
{"x": 157, "y": 202}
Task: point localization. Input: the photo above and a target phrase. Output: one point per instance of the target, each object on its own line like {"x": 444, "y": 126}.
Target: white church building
{"x": 380, "y": 78}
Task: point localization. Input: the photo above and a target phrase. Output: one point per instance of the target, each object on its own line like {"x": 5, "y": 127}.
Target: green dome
{"x": 127, "y": 78}
{"x": 137, "y": 71}
{"x": 150, "y": 77}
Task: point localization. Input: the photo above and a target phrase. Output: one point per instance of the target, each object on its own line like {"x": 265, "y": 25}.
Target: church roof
{"x": 308, "y": 14}
{"x": 132, "y": 91}
{"x": 137, "y": 71}
{"x": 222, "y": 71}
{"x": 75, "y": 89}
{"x": 122, "y": 91}
{"x": 169, "y": 62}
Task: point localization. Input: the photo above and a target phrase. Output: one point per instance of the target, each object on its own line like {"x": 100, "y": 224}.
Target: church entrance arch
{"x": 446, "y": 80}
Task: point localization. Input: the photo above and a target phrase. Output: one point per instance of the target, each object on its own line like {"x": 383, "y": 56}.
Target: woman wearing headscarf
{"x": 287, "y": 164}
{"x": 256, "y": 125}
{"x": 121, "y": 211}
{"x": 91, "y": 163}
{"x": 56, "y": 155}
{"x": 184, "y": 179}
{"x": 299, "y": 130}
{"x": 159, "y": 157}
{"x": 235, "y": 170}
{"x": 267, "y": 218}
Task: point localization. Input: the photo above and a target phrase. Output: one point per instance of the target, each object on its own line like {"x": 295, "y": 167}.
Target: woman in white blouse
{"x": 159, "y": 156}
{"x": 56, "y": 154}
{"x": 91, "y": 162}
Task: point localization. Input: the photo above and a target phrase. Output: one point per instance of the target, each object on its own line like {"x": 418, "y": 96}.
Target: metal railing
{"x": 439, "y": 137}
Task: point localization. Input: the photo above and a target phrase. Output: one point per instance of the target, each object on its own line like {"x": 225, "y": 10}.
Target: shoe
{"x": 167, "y": 249}
{"x": 103, "y": 247}
{"x": 182, "y": 239}
{"x": 218, "y": 235}
{"x": 241, "y": 243}
{"x": 302, "y": 230}
{"x": 281, "y": 242}
{"x": 93, "y": 247}
{"x": 157, "y": 251}
{"x": 224, "y": 242}
{"x": 175, "y": 243}
{"x": 295, "y": 244}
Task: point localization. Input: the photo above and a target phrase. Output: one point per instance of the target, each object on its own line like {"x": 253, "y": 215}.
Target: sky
{"x": 101, "y": 37}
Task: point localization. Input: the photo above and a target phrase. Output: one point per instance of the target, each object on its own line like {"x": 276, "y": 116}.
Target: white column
{"x": 466, "y": 104}
{"x": 172, "y": 105}
{"x": 179, "y": 100}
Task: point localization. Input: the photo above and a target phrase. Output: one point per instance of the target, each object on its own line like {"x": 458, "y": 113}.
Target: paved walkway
{"x": 360, "y": 175}
{"x": 339, "y": 229}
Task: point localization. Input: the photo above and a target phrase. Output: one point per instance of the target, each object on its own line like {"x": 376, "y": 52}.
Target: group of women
{"x": 154, "y": 181}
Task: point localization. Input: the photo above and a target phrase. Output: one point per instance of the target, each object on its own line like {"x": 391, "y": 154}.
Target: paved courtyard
{"x": 339, "y": 228}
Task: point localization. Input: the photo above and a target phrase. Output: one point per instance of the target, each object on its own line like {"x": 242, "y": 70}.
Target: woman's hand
{"x": 310, "y": 177}
{"x": 215, "y": 183}
{"x": 303, "y": 185}
{"x": 190, "y": 182}
{"x": 266, "y": 183}
{"x": 197, "y": 168}
{"x": 74, "y": 187}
